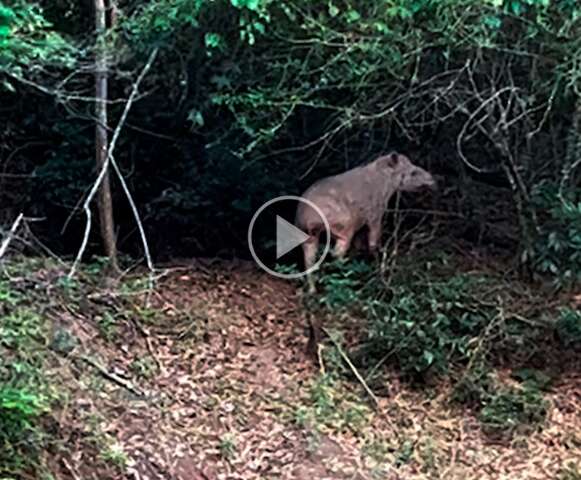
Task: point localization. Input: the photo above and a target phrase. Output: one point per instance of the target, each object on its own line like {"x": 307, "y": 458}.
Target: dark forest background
{"x": 246, "y": 100}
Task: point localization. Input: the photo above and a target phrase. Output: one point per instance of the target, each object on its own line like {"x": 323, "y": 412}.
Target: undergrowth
{"x": 431, "y": 317}
{"x": 34, "y": 293}
{"x": 330, "y": 406}
{"x": 513, "y": 408}
{"x": 25, "y": 395}
{"x": 428, "y": 318}
{"x": 558, "y": 243}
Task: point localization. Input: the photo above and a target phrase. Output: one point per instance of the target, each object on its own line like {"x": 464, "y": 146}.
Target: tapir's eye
{"x": 415, "y": 173}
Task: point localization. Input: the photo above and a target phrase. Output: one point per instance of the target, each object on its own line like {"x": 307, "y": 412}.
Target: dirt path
{"x": 236, "y": 398}
{"x": 233, "y": 390}
{"x": 230, "y": 345}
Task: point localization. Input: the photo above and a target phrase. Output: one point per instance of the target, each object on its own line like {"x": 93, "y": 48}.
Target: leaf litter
{"x": 207, "y": 377}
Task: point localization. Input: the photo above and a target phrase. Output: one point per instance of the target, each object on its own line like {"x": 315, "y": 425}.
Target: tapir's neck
{"x": 387, "y": 193}
{"x": 389, "y": 186}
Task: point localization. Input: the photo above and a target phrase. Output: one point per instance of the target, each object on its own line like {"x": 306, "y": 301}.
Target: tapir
{"x": 355, "y": 199}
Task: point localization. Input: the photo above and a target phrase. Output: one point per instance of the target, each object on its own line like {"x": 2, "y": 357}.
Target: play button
{"x": 269, "y": 228}
{"x": 288, "y": 237}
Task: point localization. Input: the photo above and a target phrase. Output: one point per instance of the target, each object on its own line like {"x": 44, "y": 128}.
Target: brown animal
{"x": 355, "y": 199}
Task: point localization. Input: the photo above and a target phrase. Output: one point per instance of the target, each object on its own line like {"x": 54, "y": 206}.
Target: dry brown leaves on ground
{"x": 216, "y": 379}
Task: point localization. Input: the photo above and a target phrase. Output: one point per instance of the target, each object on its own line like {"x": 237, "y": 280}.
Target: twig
{"x": 150, "y": 349}
{"x": 438, "y": 213}
{"x": 57, "y": 93}
{"x": 320, "y": 358}
{"x": 111, "y": 376}
{"x": 146, "y": 250}
{"x": 105, "y": 167}
{"x": 472, "y": 116}
{"x": 382, "y": 361}
{"x": 391, "y": 261}
{"x": 71, "y": 470}
{"x": 10, "y": 235}
{"x": 353, "y": 369}
{"x": 325, "y": 138}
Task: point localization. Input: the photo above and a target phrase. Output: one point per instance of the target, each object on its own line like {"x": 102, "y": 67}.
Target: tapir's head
{"x": 405, "y": 176}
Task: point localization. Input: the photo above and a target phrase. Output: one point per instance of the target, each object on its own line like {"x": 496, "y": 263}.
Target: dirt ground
{"x": 213, "y": 382}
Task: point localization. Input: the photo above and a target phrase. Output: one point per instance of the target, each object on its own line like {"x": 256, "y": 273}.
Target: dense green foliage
{"x": 477, "y": 91}
{"x": 17, "y": 410}
{"x": 429, "y": 318}
{"x": 559, "y": 239}
{"x": 434, "y": 318}
{"x": 510, "y": 409}
{"x": 569, "y": 326}
{"x": 24, "y": 396}
{"x": 30, "y": 44}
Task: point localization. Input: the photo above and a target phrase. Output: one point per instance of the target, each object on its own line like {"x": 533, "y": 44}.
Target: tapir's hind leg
{"x": 310, "y": 248}
{"x": 342, "y": 242}
{"x": 360, "y": 241}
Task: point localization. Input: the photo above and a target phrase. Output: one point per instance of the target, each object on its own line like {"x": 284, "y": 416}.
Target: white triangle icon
{"x": 287, "y": 237}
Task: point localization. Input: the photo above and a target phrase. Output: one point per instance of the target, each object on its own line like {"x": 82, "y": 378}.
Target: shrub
{"x": 344, "y": 284}
{"x": 429, "y": 324}
{"x": 475, "y": 385}
{"x": 513, "y": 408}
{"x": 18, "y": 409}
{"x": 424, "y": 322}
{"x": 332, "y": 406}
{"x": 569, "y": 327}
{"x": 558, "y": 245}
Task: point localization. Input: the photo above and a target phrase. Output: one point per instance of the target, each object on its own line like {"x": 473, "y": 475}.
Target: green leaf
{"x": 6, "y": 15}
{"x": 212, "y": 40}
{"x": 8, "y": 86}
{"x": 381, "y": 27}
{"x": 516, "y": 7}
{"x": 196, "y": 117}
{"x": 252, "y": 4}
{"x": 248, "y": 4}
{"x": 353, "y": 16}
{"x": 259, "y": 27}
{"x": 493, "y": 22}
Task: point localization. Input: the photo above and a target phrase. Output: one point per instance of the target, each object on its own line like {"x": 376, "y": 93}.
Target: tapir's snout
{"x": 435, "y": 182}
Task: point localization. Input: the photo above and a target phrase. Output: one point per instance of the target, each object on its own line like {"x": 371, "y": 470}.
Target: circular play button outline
{"x": 316, "y": 265}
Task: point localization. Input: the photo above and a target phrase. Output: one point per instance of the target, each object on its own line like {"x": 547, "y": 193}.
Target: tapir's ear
{"x": 393, "y": 160}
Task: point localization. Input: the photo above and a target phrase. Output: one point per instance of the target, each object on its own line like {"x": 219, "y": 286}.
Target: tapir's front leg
{"x": 374, "y": 236}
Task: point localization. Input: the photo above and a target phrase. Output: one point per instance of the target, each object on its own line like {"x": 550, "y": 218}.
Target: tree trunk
{"x": 105, "y": 203}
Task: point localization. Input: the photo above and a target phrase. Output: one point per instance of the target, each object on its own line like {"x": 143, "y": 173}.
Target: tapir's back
{"x": 342, "y": 198}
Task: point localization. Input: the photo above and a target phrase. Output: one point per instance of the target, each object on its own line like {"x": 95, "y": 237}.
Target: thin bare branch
{"x": 102, "y": 173}
{"x": 10, "y": 236}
